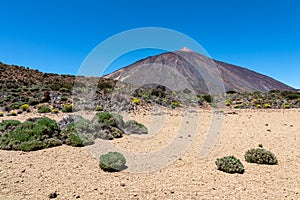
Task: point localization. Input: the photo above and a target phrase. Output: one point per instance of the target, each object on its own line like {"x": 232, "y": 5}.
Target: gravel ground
{"x": 73, "y": 173}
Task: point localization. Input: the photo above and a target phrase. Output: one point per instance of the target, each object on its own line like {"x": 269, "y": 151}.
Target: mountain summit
{"x": 186, "y": 49}
{"x": 188, "y": 63}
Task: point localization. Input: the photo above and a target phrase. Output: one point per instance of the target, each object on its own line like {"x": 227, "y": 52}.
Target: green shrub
{"x": 24, "y": 107}
{"x": 231, "y": 92}
{"x": 134, "y": 127}
{"x": 68, "y": 108}
{"x": 293, "y": 96}
{"x": 15, "y": 94}
{"x": 136, "y": 101}
{"x": 112, "y": 162}
{"x": 110, "y": 124}
{"x": 230, "y": 164}
{"x": 99, "y": 108}
{"x": 267, "y": 105}
{"x": 207, "y": 98}
{"x": 8, "y": 125}
{"x": 77, "y": 140}
{"x": 286, "y": 106}
{"x": 79, "y": 126}
{"x": 80, "y": 132}
{"x": 145, "y": 97}
{"x": 274, "y": 91}
{"x": 64, "y": 98}
{"x": 1, "y": 114}
{"x": 30, "y": 135}
{"x": 260, "y": 156}
{"x": 44, "y": 109}
{"x": 104, "y": 84}
{"x": 228, "y": 102}
{"x": 13, "y": 113}
{"x": 175, "y": 104}
{"x": 109, "y": 119}
{"x": 34, "y": 89}
{"x": 33, "y": 102}
{"x": 16, "y": 105}
{"x": 31, "y": 145}
{"x": 64, "y": 90}
{"x": 55, "y": 111}
{"x": 52, "y": 142}
{"x": 258, "y": 106}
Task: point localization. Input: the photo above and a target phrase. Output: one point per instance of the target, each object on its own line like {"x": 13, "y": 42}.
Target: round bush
{"x": 76, "y": 140}
{"x": 24, "y": 107}
{"x": 33, "y": 134}
{"x": 44, "y": 109}
{"x": 108, "y": 119}
{"x": 112, "y": 162}
{"x": 13, "y": 113}
{"x": 55, "y": 111}
{"x": 260, "y": 156}
{"x": 230, "y": 164}
{"x": 99, "y": 108}
{"x": 68, "y": 108}
{"x": 134, "y": 127}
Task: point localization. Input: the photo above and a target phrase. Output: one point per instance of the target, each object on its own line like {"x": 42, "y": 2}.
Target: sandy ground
{"x": 74, "y": 172}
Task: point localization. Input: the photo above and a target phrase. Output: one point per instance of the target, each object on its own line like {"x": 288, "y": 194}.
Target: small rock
{"x": 78, "y": 197}
{"x": 52, "y": 195}
{"x": 269, "y": 130}
{"x": 267, "y": 124}
{"x": 122, "y": 184}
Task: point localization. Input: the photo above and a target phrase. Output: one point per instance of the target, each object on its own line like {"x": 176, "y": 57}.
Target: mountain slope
{"x": 197, "y": 69}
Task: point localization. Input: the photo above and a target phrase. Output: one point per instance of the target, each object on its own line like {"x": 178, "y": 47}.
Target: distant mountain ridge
{"x": 234, "y": 77}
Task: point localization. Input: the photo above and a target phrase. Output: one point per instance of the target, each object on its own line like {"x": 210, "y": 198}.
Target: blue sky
{"x": 56, "y": 36}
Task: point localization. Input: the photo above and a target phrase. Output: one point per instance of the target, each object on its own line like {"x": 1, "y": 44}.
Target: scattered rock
{"x": 122, "y": 184}
{"x": 52, "y": 195}
{"x": 46, "y": 97}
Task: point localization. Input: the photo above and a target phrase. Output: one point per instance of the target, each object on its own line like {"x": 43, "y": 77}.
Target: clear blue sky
{"x": 57, "y": 35}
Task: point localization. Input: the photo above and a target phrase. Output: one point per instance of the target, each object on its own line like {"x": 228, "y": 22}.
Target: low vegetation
{"x": 44, "y": 109}
{"x": 112, "y": 162}
{"x": 133, "y": 127}
{"x": 230, "y": 164}
{"x": 260, "y": 156}
{"x": 33, "y": 134}
{"x": 112, "y": 125}
{"x": 68, "y": 108}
